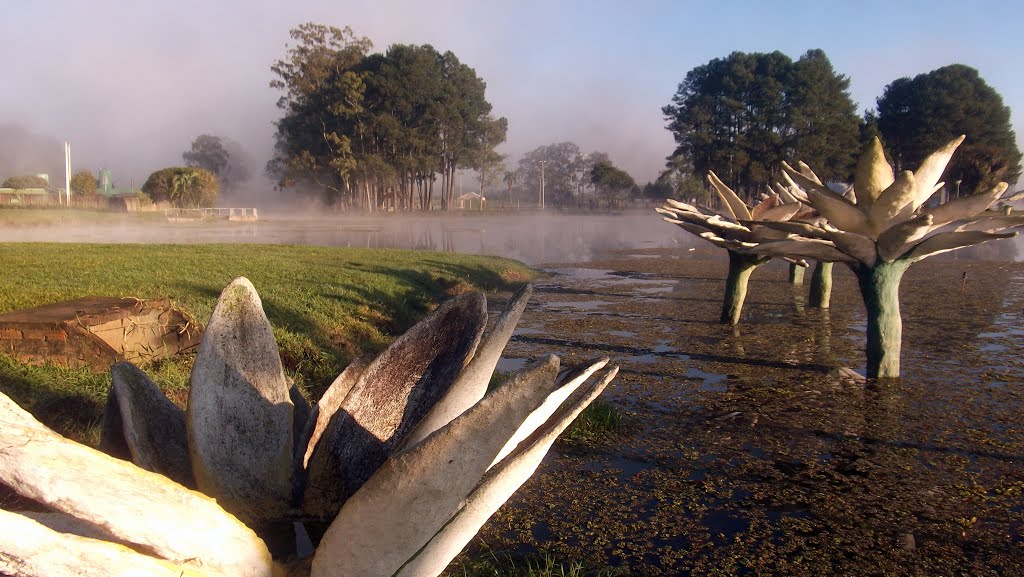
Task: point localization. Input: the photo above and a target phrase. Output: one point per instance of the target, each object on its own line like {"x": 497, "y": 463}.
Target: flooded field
{"x": 745, "y": 451}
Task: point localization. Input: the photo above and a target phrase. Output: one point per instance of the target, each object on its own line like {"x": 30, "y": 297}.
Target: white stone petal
{"x": 841, "y": 213}
{"x": 391, "y": 397}
{"x": 873, "y": 174}
{"x": 417, "y": 491}
{"x": 239, "y": 411}
{"x": 791, "y": 227}
{"x": 498, "y": 485}
{"x": 30, "y": 549}
{"x": 947, "y": 241}
{"x": 860, "y": 247}
{"x": 472, "y": 382}
{"x": 965, "y": 207}
{"x": 672, "y": 203}
{"x": 993, "y": 222}
{"x": 737, "y": 207}
{"x": 891, "y": 204}
{"x": 567, "y": 384}
{"x": 330, "y": 402}
{"x": 896, "y": 240}
{"x": 930, "y": 171}
{"x": 150, "y": 426}
{"x": 134, "y": 505}
{"x": 804, "y": 247}
{"x": 782, "y": 212}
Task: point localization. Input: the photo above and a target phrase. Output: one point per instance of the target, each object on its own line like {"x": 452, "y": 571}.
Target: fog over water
{"x": 534, "y": 238}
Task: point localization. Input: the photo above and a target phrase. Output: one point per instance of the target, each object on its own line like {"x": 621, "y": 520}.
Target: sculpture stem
{"x": 821, "y": 285}
{"x": 740, "y": 267}
{"x": 796, "y": 274}
{"x": 880, "y": 289}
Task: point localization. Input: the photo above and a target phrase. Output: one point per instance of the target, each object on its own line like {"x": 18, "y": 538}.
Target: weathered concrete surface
{"x": 139, "y": 418}
{"x": 97, "y": 332}
{"x": 133, "y": 505}
{"x": 240, "y": 412}
{"x": 391, "y": 397}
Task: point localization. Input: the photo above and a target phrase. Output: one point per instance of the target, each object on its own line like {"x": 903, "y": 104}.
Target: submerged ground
{"x": 743, "y": 452}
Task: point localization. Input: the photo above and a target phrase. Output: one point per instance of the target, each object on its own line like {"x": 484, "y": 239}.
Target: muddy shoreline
{"x": 744, "y": 452}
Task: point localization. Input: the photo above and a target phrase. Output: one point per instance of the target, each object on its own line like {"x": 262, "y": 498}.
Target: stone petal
{"x": 418, "y": 491}
{"x": 894, "y": 241}
{"x": 142, "y": 420}
{"x": 840, "y": 213}
{"x": 30, "y": 549}
{"x": 947, "y": 241}
{"x": 239, "y": 411}
{"x": 500, "y": 482}
{"x": 994, "y": 223}
{"x": 329, "y": 403}
{"x": 675, "y": 204}
{"x": 804, "y": 247}
{"x": 930, "y": 171}
{"x": 892, "y": 203}
{"x": 567, "y": 383}
{"x": 471, "y": 386}
{"x": 133, "y": 505}
{"x": 965, "y": 207}
{"x": 737, "y": 207}
{"x": 859, "y": 247}
{"x": 771, "y": 202}
{"x": 873, "y": 175}
{"x": 792, "y": 227}
{"x": 392, "y": 396}
{"x": 782, "y": 212}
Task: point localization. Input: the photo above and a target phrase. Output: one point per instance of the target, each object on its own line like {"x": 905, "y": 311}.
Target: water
{"x": 533, "y": 238}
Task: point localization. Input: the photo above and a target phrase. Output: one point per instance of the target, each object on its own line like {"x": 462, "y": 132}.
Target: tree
{"x": 183, "y": 187}
{"x": 917, "y": 115}
{"x": 223, "y": 157}
{"x": 323, "y": 93}
{"x": 743, "y": 114}
{"x": 26, "y": 181}
{"x": 611, "y": 182}
{"x": 83, "y": 183}
{"x": 511, "y": 178}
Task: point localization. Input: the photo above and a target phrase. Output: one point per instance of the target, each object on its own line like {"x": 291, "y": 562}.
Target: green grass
{"x": 597, "y": 420}
{"x": 52, "y": 216}
{"x": 497, "y": 564}
{"x": 327, "y": 305}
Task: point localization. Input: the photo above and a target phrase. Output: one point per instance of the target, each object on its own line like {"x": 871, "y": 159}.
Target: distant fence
{"x": 190, "y": 214}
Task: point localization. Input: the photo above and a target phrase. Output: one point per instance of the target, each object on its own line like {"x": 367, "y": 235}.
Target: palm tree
{"x": 511, "y": 178}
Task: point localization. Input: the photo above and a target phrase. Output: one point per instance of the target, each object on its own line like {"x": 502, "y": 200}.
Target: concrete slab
{"x": 97, "y": 332}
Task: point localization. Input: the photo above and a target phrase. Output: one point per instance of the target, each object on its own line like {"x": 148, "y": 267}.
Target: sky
{"x": 130, "y": 84}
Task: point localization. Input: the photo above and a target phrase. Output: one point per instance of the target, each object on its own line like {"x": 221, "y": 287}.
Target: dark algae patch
{"x": 744, "y": 451}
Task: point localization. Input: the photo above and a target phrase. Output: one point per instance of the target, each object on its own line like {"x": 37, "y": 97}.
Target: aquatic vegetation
{"x": 880, "y": 227}
{"x": 737, "y": 231}
{"x": 403, "y": 458}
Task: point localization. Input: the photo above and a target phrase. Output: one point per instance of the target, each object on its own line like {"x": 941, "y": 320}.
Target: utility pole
{"x": 542, "y": 163}
{"x": 67, "y": 171}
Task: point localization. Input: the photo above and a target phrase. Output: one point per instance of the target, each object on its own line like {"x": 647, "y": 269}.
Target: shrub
{"x": 183, "y": 187}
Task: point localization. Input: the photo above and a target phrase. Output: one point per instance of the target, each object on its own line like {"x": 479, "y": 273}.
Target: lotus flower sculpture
{"x": 880, "y": 227}
{"x": 738, "y": 230}
{"x": 403, "y": 458}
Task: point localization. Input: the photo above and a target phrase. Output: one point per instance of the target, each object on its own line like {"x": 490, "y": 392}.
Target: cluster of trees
{"x": 25, "y": 181}
{"x": 182, "y": 186}
{"x": 570, "y": 177}
{"x": 221, "y": 156}
{"x": 377, "y": 129}
{"x": 744, "y": 114}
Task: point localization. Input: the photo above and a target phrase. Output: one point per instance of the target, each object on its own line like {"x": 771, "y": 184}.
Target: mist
{"x": 130, "y": 85}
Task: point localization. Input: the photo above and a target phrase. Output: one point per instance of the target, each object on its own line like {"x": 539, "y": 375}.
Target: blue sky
{"x": 130, "y": 84}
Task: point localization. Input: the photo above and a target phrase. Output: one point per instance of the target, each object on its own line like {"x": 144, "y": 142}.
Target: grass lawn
{"x": 326, "y": 304}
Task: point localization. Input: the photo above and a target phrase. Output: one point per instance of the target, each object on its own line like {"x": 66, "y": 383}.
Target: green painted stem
{"x": 821, "y": 285}
{"x": 740, "y": 267}
{"x": 880, "y": 289}
{"x": 796, "y": 274}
